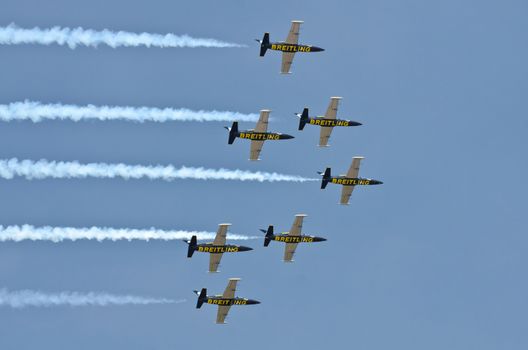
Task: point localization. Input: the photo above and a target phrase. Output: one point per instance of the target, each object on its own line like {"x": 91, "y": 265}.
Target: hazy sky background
{"x": 435, "y": 258}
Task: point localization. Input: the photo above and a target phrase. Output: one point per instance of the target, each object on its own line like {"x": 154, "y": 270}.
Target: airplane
{"x": 348, "y": 181}
{"x": 257, "y": 135}
{"x": 224, "y": 301}
{"x": 215, "y": 249}
{"x": 291, "y": 238}
{"x": 288, "y": 47}
{"x": 326, "y": 122}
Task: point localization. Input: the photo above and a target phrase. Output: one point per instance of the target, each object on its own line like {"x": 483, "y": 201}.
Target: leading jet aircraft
{"x": 224, "y": 301}
{"x": 288, "y": 47}
{"x": 215, "y": 249}
{"x": 348, "y": 181}
{"x": 326, "y": 122}
{"x": 291, "y": 238}
{"x": 257, "y": 135}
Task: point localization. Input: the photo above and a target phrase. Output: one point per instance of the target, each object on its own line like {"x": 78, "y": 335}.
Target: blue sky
{"x": 434, "y": 258}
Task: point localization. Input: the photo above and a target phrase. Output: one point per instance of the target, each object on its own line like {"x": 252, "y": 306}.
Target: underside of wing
{"x": 346, "y": 192}
{"x": 223, "y": 310}
{"x": 331, "y": 111}
{"x": 353, "y": 171}
{"x": 287, "y": 59}
{"x": 296, "y": 228}
{"x": 293, "y": 35}
{"x": 262, "y": 124}
{"x": 324, "y": 135}
{"x": 289, "y": 251}
{"x": 220, "y": 238}
{"x": 230, "y": 290}
{"x": 256, "y": 147}
{"x": 214, "y": 262}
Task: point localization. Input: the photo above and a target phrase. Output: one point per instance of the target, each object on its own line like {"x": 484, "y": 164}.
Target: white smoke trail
{"x": 37, "y": 112}
{"x": 43, "y": 168}
{"x": 13, "y": 35}
{"x": 23, "y": 298}
{"x": 17, "y": 233}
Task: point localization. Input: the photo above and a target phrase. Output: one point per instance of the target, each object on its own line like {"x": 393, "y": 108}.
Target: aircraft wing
{"x": 220, "y": 238}
{"x": 324, "y": 135}
{"x": 229, "y": 292}
{"x": 214, "y": 261}
{"x": 293, "y": 35}
{"x": 354, "y": 167}
{"x": 331, "y": 111}
{"x": 346, "y": 192}
{"x": 256, "y": 147}
{"x": 287, "y": 59}
{"x": 262, "y": 124}
{"x": 223, "y": 310}
{"x": 296, "y": 228}
{"x": 289, "y": 251}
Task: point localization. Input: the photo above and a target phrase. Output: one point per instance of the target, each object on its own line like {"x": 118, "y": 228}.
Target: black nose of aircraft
{"x": 355, "y": 123}
{"x": 244, "y": 249}
{"x": 316, "y": 49}
{"x": 376, "y": 182}
{"x": 286, "y": 137}
{"x": 252, "y": 302}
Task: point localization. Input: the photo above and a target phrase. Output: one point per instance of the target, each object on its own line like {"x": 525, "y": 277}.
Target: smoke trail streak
{"x": 17, "y": 233}
{"x": 9, "y": 168}
{"x": 37, "y": 112}
{"x": 13, "y": 35}
{"x": 23, "y": 298}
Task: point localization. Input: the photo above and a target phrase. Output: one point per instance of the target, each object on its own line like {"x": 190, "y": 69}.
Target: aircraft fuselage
{"x": 221, "y": 301}
{"x": 325, "y": 122}
{"x": 263, "y": 136}
{"x": 218, "y": 249}
{"x": 286, "y": 238}
{"x": 353, "y": 181}
{"x": 285, "y": 47}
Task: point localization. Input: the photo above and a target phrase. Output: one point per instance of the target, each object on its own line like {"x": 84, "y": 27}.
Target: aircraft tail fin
{"x": 192, "y": 246}
{"x": 304, "y": 119}
{"x": 269, "y": 235}
{"x": 264, "y": 44}
{"x": 326, "y": 177}
{"x": 202, "y": 297}
{"x": 233, "y": 132}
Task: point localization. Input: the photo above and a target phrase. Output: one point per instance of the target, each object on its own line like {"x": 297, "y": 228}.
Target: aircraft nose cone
{"x": 323, "y": 239}
{"x": 317, "y": 49}
{"x": 376, "y": 182}
{"x": 287, "y": 137}
{"x": 245, "y": 249}
{"x": 356, "y": 123}
{"x": 253, "y": 302}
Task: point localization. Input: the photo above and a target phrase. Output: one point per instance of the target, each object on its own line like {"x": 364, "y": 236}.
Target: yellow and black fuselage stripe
{"x": 263, "y": 136}
{"x": 347, "y": 181}
{"x": 286, "y": 238}
{"x": 284, "y": 47}
{"x": 324, "y": 122}
{"x": 220, "y": 301}
{"x": 218, "y": 249}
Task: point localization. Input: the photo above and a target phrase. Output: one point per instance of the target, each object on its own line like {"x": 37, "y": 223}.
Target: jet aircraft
{"x": 288, "y": 47}
{"x": 257, "y": 135}
{"x": 326, "y": 122}
{"x": 215, "y": 249}
{"x": 224, "y": 301}
{"x": 348, "y": 181}
{"x": 291, "y": 238}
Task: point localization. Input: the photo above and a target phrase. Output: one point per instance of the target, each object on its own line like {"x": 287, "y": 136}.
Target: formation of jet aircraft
{"x": 288, "y": 47}
{"x": 224, "y": 301}
{"x": 258, "y": 136}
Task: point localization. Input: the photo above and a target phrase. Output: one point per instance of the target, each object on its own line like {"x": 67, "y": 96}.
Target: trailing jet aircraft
{"x": 215, "y": 249}
{"x": 224, "y": 301}
{"x": 326, "y": 122}
{"x": 348, "y": 181}
{"x": 288, "y": 47}
{"x": 257, "y": 135}
{"x": 291, "y": 238}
